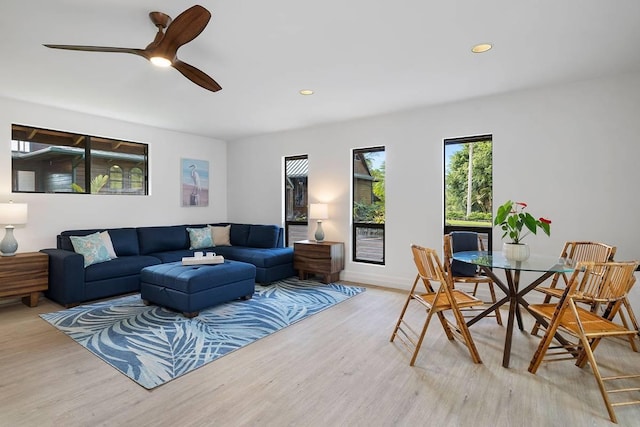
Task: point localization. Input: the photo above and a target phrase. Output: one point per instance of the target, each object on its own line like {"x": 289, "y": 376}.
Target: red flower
{"x": 546, "y": 221}
{"x": 523, "y": 204}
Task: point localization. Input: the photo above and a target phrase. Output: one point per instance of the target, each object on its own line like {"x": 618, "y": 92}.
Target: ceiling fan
{"x": 162, "y": 50}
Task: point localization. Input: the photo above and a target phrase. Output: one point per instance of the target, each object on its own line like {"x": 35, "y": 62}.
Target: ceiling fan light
{"x": 306, "y": 92}
{"x": 160, "y": 61}
{"x": 481, "y": 48}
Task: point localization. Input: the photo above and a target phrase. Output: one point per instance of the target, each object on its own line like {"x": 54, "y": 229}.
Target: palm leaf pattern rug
{"x": 153, "y": 345}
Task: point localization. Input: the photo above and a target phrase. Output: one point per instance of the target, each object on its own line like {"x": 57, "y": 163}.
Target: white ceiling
{"x": 362, "y": 57}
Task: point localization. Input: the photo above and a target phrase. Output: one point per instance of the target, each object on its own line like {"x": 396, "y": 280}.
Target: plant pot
{"x": 515, "y": 251}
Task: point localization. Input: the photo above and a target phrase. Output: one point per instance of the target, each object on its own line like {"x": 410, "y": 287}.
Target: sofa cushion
{"x": 221, "y": 235}
{"x": 119, "y": 267}
{"x": 160, "y": 239}
{"x": 263, "y": 236}
{"x": 259, "y": 257}
{"x": 239, "y": 234}
{"x": 124, "y": 240}
{"x": 91, "y": 247}
{"x": 200, "y": 238}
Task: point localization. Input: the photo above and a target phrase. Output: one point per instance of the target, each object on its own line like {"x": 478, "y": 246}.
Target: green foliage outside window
{"x": 97, "y": 183}
{"x": 457, "y": 178}
{"x": 364, "y": 212}
{"x": 373, "y": 212}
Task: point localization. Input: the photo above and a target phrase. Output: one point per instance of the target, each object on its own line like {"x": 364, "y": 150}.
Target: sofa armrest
{"x": 66, "y": 277}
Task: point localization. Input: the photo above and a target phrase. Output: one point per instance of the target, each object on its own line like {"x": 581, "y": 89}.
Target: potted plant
{"x": 516, "y": 224}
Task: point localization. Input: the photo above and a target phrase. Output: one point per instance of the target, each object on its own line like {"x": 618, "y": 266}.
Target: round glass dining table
{"x": 488, "y": 261}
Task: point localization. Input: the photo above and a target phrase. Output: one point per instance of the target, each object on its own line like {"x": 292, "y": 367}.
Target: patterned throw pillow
{"x": 92, "y": 247}
{"x": 106, "y": 238}
{"x": 200, "y": 238}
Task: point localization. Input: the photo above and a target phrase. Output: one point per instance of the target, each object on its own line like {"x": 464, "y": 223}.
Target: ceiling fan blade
{"x": 133, "y": 51}
{"x": 196, "y": 76}
{"x": 183, "y": 29}
{"x": 186, "y": 27}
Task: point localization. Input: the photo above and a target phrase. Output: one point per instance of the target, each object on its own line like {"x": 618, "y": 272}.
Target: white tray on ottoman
{"x": 217, "y": 259}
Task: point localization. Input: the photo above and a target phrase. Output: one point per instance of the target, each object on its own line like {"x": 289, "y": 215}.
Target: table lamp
{"x": 319, "y": 211}
{"x": 11, "y": 214}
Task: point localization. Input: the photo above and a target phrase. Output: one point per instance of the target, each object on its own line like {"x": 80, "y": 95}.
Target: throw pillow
{"x": 106, "y": 238}
{"x": 221, "y": 235}
{"x": 91, "y": 247}
{"x": 200, "y": 238}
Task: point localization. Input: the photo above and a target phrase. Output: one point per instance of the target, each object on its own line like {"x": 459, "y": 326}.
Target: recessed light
{"x": 306, "y": 92}
{"x": 481, "y": 48}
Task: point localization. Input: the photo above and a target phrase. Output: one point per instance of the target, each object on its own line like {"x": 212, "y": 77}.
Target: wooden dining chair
{"x": 438, "y": 297}
{"x": 588, "y": 251}
{"x": 463, "y": 273}
{"x": 573, "y": 252}
{"x": 602, "y": 283}
{"x": 629, "y": 319}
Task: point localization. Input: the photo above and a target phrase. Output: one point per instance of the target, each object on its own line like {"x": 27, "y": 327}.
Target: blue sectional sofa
{"x": 71, "y": 283}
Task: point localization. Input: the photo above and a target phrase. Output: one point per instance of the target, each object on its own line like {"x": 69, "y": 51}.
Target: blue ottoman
{"x": 191, "y": 288}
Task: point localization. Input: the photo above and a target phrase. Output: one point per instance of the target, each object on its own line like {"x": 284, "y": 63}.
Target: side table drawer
{"x": 312, "y": 264}
{"x": 25, "y": 275}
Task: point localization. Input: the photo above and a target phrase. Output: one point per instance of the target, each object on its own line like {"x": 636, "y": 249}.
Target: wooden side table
{"x": 24, "y": 274}
{"x": 323, "y": 258}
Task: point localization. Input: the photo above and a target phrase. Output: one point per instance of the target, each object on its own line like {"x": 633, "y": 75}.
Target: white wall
{"x": 571, "y": 152}
{"x": 50, "y": 214}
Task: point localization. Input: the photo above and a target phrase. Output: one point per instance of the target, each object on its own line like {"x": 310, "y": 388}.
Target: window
{"x": 296, "y": 169}
{"x": 51, "y": 161}
{"x": 468, "y": 185}
{"x": 136, "y": 178}
{"x": 115, "y": 178}
{"x": 368, "y": 205}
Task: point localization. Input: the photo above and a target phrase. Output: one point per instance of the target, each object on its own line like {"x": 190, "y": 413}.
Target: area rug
{"x": 152, "y": 345}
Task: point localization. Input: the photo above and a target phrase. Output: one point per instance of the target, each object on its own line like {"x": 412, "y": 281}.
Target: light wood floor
{"x": 336, "y": 368}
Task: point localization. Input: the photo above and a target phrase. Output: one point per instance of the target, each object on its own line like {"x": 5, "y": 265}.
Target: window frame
{"x": 355, "y": 225}
{"x": 80, "y": 149}
{"x": 449, "y": 228}
{"x": 290, "y": 224}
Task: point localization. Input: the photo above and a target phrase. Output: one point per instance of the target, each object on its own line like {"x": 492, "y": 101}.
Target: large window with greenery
{"x": 368, "y": 205}
{"x": 468, "y": 185}
{"x": 52, "y": 161}
{"x": 296, "y": 169}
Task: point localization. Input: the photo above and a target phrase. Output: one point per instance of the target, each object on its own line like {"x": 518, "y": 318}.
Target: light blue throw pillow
{"x": 200, "y": 238}
{"x": 92, "y": 247}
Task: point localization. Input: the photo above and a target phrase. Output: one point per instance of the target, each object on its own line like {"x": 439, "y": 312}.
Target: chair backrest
{"x": 578, "y": 252}
{"x": 431, "y": 270}
{"x": 588, "y": 251}
{"x": 428, "y": 264}
{"x": 601, "y": 282}
{"x": 460, "y": 241}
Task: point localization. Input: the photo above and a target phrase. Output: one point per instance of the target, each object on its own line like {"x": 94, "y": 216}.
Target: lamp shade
{"x": 318, "y": 211}
{"x": 13, "y": 213}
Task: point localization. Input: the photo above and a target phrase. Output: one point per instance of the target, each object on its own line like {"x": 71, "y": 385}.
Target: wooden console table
{"x": 323, "y": 258}
{"x": 24, "y": 274}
